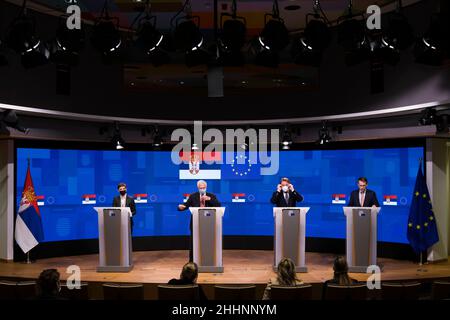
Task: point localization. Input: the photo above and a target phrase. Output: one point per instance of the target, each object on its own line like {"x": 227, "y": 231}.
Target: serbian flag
{"x": 238, "y": 197}
{"x": 338, "y": 198}
{"x": 193, "y": 166}
{"x": 390, "y": 200}
{"x": 29, "y": 230}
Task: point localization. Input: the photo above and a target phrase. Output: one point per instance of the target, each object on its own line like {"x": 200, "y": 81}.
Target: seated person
{"x": 189, "y": 275}
{"x": 48, "y": 285}
{"x": 286, "y": 276}
{"x": 341, "y": 276}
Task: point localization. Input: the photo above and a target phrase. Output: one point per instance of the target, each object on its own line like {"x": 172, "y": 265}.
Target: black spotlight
{"x": 68, "y": 43}
{"x": 157, "y": 138}
{"x": 309, "y": 48}
{"x": 399, "y": 33}
{"x": 428, "y": 117}
{"x": 442, "y": 124}
{"x": 150, "y": 40}
{"x": 106, "y": 36}
{"x": 21, "y": 37}
{"x": 233, "y": 38}
{"x": 117, "y": 141}
{"x": 430, "y": 48}
{"x": 188, "y": 37}
{"x": 273, "y": 38}
{"x": 286, "y": 140}
{"x": 324, "y": 134}
{"x": 10, "y": 119}
{"x": 352, "y": 37}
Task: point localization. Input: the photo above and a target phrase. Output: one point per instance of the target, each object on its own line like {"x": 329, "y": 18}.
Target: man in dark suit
{"x": 124, "y": 201}
{"x": 363, "y": 197}
{"x": 286, "y": 195}
{"x": 198, "y": 199}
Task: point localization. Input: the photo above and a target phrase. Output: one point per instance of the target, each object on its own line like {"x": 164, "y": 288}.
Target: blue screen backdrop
{"x": 65, "y": 178}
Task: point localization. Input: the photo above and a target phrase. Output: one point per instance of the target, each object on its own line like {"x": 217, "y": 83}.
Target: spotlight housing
{"x": 286, "y": 140}
{"x": 324, "y": 134}
{"x": 273, "y": 38}
{"x": 68, "y": 44}
{"x": 428, "y": 117}
{"x": 21, "y": 37}
{"x": 352, "y": 38}
{"x": 10, "y": 119}
{"x": 106, "y": 37}
{"x": 117, "y": 141}
{"x": 309, "y": 48}
{"x": 430, "y": 48}
{"x": 233, "y": 38}
{"x": 150, "y": 40}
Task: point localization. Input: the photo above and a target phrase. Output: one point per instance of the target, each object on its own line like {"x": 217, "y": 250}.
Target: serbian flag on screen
{"x": 29, "y": 230}
{"x": 194, "y": 167}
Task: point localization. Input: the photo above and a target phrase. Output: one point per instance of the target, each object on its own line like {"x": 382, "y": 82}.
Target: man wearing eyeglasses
{"x": 363, "y": 197}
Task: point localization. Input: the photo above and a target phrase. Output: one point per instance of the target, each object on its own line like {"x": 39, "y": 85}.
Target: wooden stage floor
{"x": 241, "y": 266}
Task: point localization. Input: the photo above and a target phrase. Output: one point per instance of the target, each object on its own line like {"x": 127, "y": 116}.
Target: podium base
{"x": 210, "y": 269}
{"x": 297, "y": 269}
{"x": 114, "y": 268}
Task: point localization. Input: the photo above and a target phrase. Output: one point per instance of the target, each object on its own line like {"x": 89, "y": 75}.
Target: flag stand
{"x": 421, "y": 269}
{"x": 28, "y": 261}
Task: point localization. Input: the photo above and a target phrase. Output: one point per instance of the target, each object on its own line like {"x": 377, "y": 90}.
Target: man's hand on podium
{"x": 181, "y": 207}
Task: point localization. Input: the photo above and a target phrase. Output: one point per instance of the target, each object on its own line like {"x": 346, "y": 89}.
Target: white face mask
{"x": 202, "y": 191}
{"x": 285, "y": 188}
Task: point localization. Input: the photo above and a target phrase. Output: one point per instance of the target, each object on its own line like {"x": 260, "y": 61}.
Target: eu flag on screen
{"x": 422, "y": 231}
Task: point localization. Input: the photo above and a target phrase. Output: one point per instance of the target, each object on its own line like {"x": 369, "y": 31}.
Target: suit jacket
{"x": 129, "y": 203}
{"x": 369, "y": 200}
{"x": 194, "y": 201}
{"x": 279, "y": 200}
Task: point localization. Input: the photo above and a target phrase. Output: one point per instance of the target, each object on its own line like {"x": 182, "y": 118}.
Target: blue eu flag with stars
{"x": 422, "y": 231}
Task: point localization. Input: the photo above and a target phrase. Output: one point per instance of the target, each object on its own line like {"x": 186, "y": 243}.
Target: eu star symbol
{"x": 242, "y": 167}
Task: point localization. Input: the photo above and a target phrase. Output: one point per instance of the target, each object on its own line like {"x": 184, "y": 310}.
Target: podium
{"x": 114, "y": 239}
{"x": 290, "y": 226}
{"x": 361, "y": 244}
{"x": 207, "y": 238}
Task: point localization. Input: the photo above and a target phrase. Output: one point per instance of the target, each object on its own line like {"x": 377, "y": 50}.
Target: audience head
{"x": 340, "y": 268}
{"x": 189, "y": 272}
{"x": 286, "y": 272}
{"x": 48, "y": 283}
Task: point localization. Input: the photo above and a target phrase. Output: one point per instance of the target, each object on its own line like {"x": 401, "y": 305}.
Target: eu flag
{"x": 422, "y": 231}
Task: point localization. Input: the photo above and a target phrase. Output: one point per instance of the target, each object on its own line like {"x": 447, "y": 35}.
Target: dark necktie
{"x": 286, "y": 197}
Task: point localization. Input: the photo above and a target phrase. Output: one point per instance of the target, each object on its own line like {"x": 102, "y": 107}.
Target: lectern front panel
{"x": 291, "y": 231}
{"x": 207, "y": 225}
{"x": 113, "y": 240}
{"x": 361, "y": 238}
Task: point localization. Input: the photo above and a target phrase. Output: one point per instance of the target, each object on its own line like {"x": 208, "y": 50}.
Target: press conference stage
{"x": 240, "y": 267}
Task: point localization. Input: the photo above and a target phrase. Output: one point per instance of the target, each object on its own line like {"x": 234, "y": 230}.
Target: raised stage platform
{"x": 241, "y": 267}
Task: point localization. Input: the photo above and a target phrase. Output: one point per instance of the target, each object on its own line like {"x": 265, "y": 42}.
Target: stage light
{"x": 106, "y": 36}
{"x": 157, "y": 138}
{"x": 429, "y": 49}
{"x": 352, "y": 37}
{"x": 273, "y": 38}
{"x": 309, "y": 48}
{"x": 148, "y": 39}
{"x": 286, "y": 140}
{"x": 188, "y": 37}
{"x": 324, "y": 134}
{"x": 21, "y": 37}
{"x": 428, "y": 117}
{"x": 117, "y": 140}
{"x": 399, "y": 34}
{"x": 10, "y": 119}
{"x": 233, "y": 38}
{"x": 68, "y": 44}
